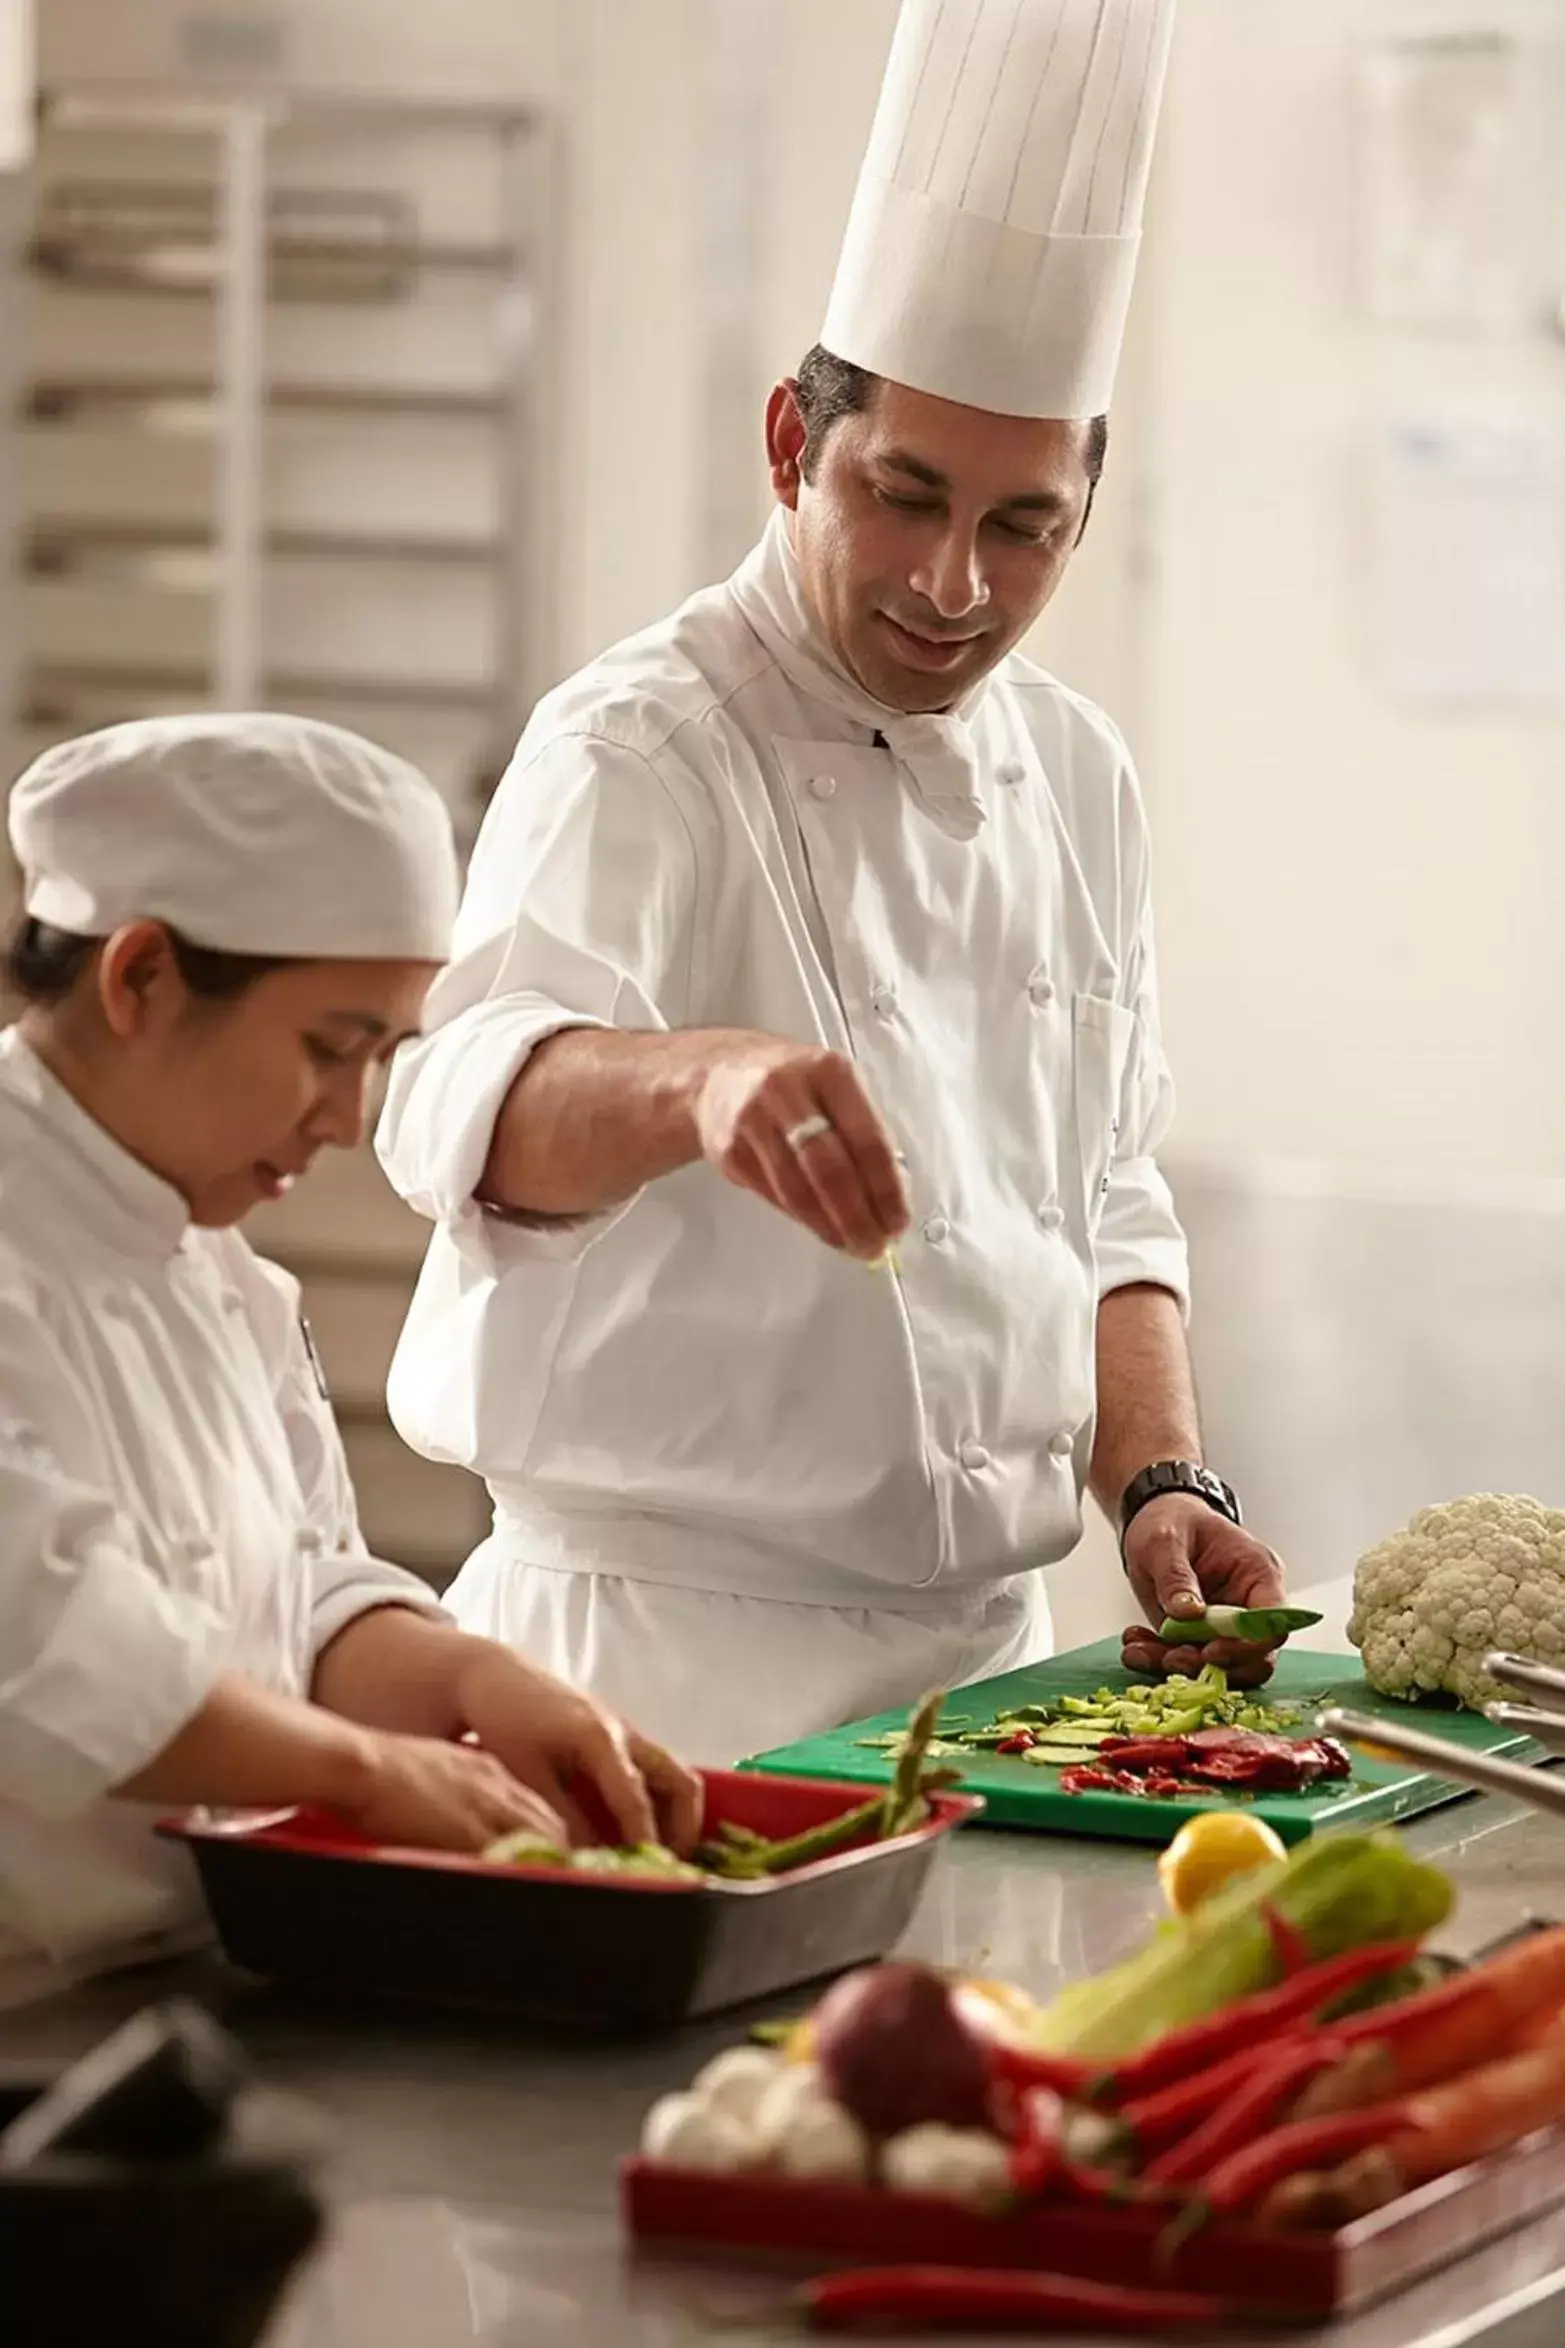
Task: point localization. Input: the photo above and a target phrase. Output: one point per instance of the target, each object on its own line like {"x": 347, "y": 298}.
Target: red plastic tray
{"x": 1308, "y": 2275}
{"x": 300, "y": 1897}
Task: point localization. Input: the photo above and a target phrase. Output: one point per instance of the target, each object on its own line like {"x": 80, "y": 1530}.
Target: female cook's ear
{"x": 138, "y": 978}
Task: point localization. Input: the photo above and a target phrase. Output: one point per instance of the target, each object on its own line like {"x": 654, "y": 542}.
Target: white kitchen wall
{"x": 1363, "y": 963}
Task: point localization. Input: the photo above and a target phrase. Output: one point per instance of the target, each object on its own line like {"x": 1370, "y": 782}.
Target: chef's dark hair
{"x": 830, "y": 388}
{"x": 43, "y": 964}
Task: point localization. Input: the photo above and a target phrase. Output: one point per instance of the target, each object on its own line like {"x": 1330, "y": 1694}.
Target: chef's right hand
{"x": 793, "y": 1123}
{"x": 425, "y": 1792}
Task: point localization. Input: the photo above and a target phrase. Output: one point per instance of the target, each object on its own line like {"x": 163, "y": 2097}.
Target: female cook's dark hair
{"x": 42, "y": 964}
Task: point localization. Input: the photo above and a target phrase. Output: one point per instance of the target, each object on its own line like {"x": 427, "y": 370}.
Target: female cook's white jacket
{"x": 711, "y": 827}
{"x": 174, "y": 1504}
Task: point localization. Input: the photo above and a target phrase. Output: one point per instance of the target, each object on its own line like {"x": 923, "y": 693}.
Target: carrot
{"x": 1483, "y": 2111}
{"x": 1477, "y": 2010}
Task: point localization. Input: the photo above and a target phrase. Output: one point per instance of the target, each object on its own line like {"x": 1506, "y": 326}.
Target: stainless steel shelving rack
{"x": 237, "y": 299}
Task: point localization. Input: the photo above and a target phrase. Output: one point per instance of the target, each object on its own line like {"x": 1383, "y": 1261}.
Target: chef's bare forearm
{"x": 393, "y": 1669}
{"x": 593, "y": 1116}
{"x": 249, "y": 1748}
{"x": 1146, "y": 1393}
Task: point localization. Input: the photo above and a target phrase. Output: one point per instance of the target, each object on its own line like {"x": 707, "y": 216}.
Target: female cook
{"x": 230, "y": 923}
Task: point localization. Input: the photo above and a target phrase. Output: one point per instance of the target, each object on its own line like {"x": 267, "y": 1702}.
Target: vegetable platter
{"x": 1283, "y": 2103}
{"x": 793, "y": 1882}
{"x": 1022, "y": 1790}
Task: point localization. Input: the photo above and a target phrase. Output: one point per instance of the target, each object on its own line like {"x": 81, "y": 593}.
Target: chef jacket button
{"x": 883, "y": 1001}
{"x": 1062, "y": 1445}
{"x": 1051, "y": 1217}
{"x": 233, "y": 1302}
{"x": 974, "y": 1456}
{"x": 1011, "y": 773}
{"x": 1040, "y": 991}
{"x": 309, "y": 1542}
{"x": 936, "y": 1230}
{"x": 902, "y": 1159}
{"x": 823, "y": 786}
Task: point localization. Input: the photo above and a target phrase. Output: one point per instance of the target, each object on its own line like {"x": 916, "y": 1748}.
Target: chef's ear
{"x": 785, "y": 441}
{"x": 139, "y": 978}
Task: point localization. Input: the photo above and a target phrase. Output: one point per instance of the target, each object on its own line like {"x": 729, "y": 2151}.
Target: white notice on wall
{"x": 1472, "y": 563}
{"x": 1447, "y": 187}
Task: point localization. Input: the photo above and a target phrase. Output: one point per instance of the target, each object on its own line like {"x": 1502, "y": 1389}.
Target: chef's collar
{"x": 936, "y": 752}
{"x": 123, "y": 1201}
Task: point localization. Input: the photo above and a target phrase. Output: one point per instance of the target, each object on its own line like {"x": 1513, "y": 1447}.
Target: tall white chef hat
{"x": 259, "y": 834}
{"x": 991, "y": 249}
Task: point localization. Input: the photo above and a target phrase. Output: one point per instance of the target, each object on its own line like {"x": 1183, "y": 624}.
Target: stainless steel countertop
{"x": 471, "y": 2171}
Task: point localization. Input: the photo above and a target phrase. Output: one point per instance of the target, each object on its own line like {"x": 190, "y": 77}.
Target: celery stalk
{"x": 1340, "y": 1891}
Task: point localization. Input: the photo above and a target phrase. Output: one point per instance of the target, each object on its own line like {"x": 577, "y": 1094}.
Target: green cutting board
{"x": 1020, "y": 1793}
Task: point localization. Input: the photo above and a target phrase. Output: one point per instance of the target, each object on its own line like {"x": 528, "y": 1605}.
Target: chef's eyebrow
{"x": 365, "y": 1021}
{"x": 1026, "y": 501}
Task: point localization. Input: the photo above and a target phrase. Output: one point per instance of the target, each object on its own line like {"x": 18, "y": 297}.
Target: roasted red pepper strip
{"x": 1022, "y": 1742}
{"x": 1182, "y": 2052}
{"x": 972, "y": 2299}
{"x": 1247, "y": 2114}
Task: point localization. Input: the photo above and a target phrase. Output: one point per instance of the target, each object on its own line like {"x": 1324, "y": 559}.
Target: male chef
{"x": 787, "y": 1117}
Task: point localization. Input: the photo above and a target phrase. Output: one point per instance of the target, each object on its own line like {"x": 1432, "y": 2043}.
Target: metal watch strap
{"x": 1177, "y": 1475}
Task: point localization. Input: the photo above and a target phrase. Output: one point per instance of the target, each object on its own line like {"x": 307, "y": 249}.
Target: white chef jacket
{"x": 174, "y": 1504}
{"x": 692, "y": 1398}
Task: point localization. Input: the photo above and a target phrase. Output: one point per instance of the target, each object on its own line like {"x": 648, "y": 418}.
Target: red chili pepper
{"x": 1022, "y": 1742}
{"x": 972, "y": 2299}
{"x": 1023, "y": 2067}
{"x": 1247, "y": 2114}
{"x": 1303, "y": 2144}
{"x": 1289, "y": 1945}
{"x": 1179, "y": 2053}
{"x": 1162, "y": 2118}
{"x": 1038, "y": 2150}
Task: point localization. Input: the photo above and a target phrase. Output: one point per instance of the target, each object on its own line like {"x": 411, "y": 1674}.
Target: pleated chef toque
{"x": 258, "y": 834}
{"x": 992, "y": 244}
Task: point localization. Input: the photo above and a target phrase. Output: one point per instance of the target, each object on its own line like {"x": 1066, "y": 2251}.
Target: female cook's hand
{"x": 564, "y": 1745}
{"x": 1182, "y": 1556}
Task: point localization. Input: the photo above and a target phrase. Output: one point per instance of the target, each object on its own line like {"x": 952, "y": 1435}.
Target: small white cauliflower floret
{"x": 736, "y": 2080}
{"x": 688, "y": 2132}
{"x": 960, "y": 2164}
{"x": 1462, "y": 1579}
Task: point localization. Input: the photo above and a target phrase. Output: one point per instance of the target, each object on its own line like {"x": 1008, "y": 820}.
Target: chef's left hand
{"x": 567, "y": 1747}
{"x": 1182, "y": 1556}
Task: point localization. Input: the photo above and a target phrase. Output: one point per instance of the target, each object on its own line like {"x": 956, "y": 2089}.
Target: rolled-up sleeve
{"x": 579, "y": 912}
{"x": 1140, "y": 1240}
{"x": 101, "y": 1664}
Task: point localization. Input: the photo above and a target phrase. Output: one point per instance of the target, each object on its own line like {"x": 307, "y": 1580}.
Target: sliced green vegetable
{"x": 1265, "y": 1625}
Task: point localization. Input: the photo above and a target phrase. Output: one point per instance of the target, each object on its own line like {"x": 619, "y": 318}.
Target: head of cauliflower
{"x": 1463, "y": 1579}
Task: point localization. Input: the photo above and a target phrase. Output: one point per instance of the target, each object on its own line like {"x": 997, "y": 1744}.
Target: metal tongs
{"x": 1487, "y": 1772}
{"x": 1544, "y": 1718}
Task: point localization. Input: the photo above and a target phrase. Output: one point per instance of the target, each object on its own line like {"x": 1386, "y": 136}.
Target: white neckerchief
{"x": 937, "y": 754}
